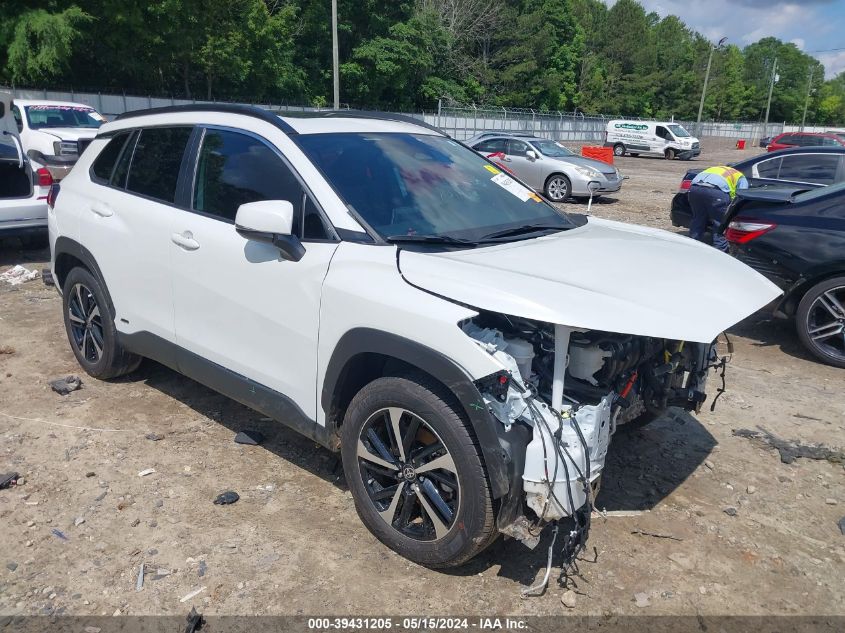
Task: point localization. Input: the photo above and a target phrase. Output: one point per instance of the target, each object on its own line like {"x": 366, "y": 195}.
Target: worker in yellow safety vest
{"x": 710, "y": 194}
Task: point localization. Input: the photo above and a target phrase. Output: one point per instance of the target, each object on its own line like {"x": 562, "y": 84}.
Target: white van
{"x": 650, "y": 137}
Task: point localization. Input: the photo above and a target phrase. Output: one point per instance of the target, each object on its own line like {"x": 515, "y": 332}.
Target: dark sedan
{"x": 796, "y": 238}
{"x": 804, "y": 167}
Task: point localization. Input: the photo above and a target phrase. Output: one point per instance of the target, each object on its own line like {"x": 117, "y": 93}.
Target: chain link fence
{"x": 461, "y": 121}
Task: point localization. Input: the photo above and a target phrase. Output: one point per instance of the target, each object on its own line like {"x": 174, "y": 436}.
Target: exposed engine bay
{"x": 566, "y": 391}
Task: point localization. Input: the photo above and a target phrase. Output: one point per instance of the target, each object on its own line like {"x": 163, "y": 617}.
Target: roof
{"x": 49, "y": 102}
{"x": 320, "y": 122}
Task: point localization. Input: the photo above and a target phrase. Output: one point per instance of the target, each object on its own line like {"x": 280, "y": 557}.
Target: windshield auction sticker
{"x": 512, "y": 186}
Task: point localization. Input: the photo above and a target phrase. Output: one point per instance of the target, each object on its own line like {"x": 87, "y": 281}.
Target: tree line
{"x": 408, "y": 54}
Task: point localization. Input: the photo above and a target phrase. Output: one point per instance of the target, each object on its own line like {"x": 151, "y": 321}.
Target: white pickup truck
{"x": 56, "y": 128}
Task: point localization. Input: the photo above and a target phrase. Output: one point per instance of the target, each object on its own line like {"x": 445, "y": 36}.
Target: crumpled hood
{"x": 70, "y": 133}
{"x": 604, "y": 276}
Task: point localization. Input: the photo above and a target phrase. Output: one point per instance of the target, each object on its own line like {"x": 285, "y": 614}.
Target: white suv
{"x": 391, "y": 294}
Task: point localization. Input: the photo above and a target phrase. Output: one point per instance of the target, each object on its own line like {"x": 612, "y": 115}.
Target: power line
{"x": 828, "y": 50}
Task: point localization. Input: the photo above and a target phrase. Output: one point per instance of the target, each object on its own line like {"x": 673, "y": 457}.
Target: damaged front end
{"x": 559, "y": 398}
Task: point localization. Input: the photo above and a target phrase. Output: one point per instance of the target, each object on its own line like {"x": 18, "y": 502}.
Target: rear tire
{"x": 820, "y": 321}
{"x": 89, "y": 324}
{"x": 619, "y": 150}
{"x": 437, "y": 516}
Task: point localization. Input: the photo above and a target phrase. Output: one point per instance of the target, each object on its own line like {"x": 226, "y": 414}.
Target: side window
{"x": 103, "y": 165}
{"x": 234, "y": 169}
{"x": 156, "y": 162}
{"x": 492, "y": 146}
{"x": 16, "y": 113}
{"x": 787, "y": 139}
{"x": 768, "y": 168}
{"x": 662, "y": 132}
{"x": 815, "y": 168}
{"x": 831, "y": 141}
{"x": 517, "y": 148}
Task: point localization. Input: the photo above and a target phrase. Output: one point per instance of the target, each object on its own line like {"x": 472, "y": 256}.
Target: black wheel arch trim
{"x": 787, "y": 305}
{"x": 67, "y": 246}
{"x": 369, "y": 341}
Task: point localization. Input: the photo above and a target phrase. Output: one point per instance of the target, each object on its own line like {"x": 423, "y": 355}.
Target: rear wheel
{"x": 820, "y": 321}
{"x": 89, "y": 323}
{"x": 669, "y": 154}
{"x": 558, "y": 188}
{"x": 619, "y": 149}
{"x": 416, "y": 473}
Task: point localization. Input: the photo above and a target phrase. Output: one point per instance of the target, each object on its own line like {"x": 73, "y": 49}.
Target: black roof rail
{"x": 230, "y": 108}
{"x": 363, "y": 114}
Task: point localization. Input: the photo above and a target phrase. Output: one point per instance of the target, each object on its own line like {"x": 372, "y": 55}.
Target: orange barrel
{"x": 740, "y": 144}
{"x": 604, "y": 154}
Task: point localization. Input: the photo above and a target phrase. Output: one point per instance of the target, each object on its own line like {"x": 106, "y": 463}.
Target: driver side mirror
{"x": 270, "y": 221}
{"x": 531, "y": 154}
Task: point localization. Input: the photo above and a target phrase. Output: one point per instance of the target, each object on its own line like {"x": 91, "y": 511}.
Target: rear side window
{"x": 492, "y": 146}
{"x": 104, "y": 163}
{"x": 156, "y": 161}
{"x": 768, "y": 168}
{"x": 787, "y": 139}
{"x": 819, "y": 169}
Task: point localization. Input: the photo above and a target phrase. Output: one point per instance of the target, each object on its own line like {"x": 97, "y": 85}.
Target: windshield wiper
{"x": 525, "y": 228}
{"x": 429, "y": 239}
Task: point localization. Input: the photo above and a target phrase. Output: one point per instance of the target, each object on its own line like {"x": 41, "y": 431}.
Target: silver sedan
{"x": 548, "y": 166}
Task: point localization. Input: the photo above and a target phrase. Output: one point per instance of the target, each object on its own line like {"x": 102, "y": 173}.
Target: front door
{"x": 237, "y": 303}
{"x": 524, "y": 167}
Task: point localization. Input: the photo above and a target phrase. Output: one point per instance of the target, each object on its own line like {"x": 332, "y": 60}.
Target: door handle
{"x": 185, "y": 240}
{"x": 102, "y": 209}
{"x": 506, "y": 159}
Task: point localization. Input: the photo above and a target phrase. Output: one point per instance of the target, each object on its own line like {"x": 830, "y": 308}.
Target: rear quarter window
{"x": 103, "y": 166}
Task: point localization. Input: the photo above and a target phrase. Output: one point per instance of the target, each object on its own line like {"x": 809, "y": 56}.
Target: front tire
{"x": 416, "y": 473}
{"x": 820, "y": 321}
{"x": 558, "y": 188}
{"x": 669, "y": 154}
{"x": 89, "y": 324}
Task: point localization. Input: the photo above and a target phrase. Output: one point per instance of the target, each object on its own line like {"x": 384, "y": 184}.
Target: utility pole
{"x": 706, "y": 80}
{"x": 807, "y": 100}
{"x": 335, "y": 69}
{"x": 769, "y": 102}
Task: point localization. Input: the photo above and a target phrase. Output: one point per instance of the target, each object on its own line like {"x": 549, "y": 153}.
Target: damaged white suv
{"x": 386, "y": 291}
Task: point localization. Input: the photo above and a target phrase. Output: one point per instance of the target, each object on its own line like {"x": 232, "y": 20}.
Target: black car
{"x": 796, "y": 238}
{"x": 804, "y": 167}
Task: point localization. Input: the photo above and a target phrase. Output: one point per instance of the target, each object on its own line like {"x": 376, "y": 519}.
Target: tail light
{"x": 745, "y": 230}
{"x": 53, "y": 194}
{"x": 45, "y": 178}
{"x": 685, "y": 185}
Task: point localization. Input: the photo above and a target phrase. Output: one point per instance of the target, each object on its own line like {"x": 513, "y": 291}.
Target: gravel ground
{"x": 750, "y": 534}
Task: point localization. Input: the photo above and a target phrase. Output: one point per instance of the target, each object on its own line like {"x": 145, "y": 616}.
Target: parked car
{"x": 805, "y": 139}
{"x": 667, "y": 139}
{"x": 56, "y": 128}
{"x": 804, "y": 167}
{"x": 389, "y": 293}
{"x": 24, "y": 185}
{"x": 796, "y": 238}
{"x": 764, "y": 141}
{"x": 549, "y": 167}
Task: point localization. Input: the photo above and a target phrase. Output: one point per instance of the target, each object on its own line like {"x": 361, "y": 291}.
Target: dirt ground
{"x": 293, "y": 543}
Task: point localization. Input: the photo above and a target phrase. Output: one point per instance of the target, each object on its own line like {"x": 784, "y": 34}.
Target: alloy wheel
{"x": 86, "y": 324}
{"x": 409, "y": 474}
{"x": 826, "y": 322}
{"x": 558, "y": 188}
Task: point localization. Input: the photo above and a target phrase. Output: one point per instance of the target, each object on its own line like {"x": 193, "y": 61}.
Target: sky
{"x": 812, "y": 25}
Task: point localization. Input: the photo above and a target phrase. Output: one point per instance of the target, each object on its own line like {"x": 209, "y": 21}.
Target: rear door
{"x": 126, "y": 224}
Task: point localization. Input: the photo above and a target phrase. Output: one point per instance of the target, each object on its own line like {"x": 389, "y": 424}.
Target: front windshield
{"x": 552, "y": 149}
{"x": 678, "y": 131}
{"x": 43, "y": 116}
{"x": 425, "y": 185}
